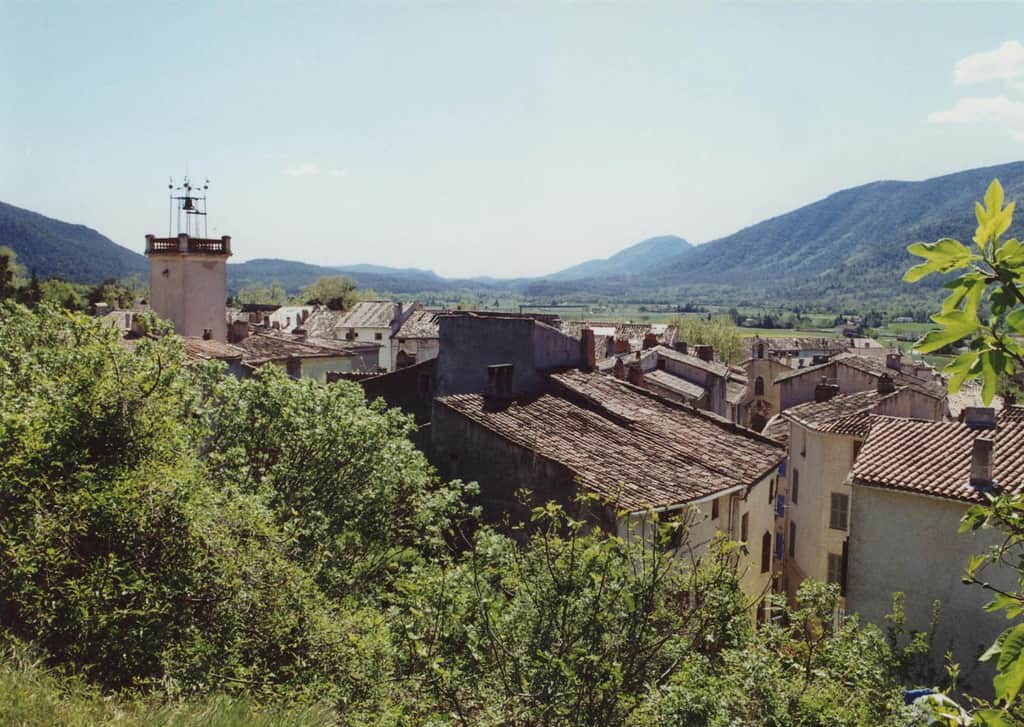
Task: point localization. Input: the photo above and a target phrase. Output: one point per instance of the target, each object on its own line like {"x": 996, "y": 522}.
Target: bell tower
{"x": 188, "y": 272}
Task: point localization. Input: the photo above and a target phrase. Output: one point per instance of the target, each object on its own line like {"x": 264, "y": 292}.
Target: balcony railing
{"x": 184, "y": 243}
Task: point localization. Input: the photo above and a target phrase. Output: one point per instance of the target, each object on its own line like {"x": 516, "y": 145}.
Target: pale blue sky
{"x": 490, "y": 138}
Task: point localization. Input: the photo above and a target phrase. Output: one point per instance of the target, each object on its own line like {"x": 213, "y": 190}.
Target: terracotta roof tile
{"x": 420, "y": 324}
{"x": 713, "y": 367}
{"x": 202, "y": 349}
{"x": 626, "y": 444}
{"x": 934, "y": 458}
{"x": 368, "y": 314}
{"x": 675, "y": 384}
{"x": 834, "y": 415}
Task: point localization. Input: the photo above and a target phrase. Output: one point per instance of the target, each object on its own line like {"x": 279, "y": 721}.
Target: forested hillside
{"x": 52, "y": 248}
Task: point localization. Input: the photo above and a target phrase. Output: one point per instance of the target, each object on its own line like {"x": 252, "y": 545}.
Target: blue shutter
{"x": 778, "y": 546}
{"x": 780, "y": 506}
{"x": 782, "y": 468}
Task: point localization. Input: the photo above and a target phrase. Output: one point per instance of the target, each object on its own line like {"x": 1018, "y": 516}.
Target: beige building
{"x": 824, "y": 439}
{"x": 188, "y": 283}
{"x": 368, "y": 321}
{"x": 911, "y": 484}
{"x": 762, "y": 393}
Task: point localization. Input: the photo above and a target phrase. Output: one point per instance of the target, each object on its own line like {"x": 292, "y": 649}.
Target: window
{"x": 835, "y": 568}
{"x": 803, "y": 443}
{"x": 744, "y": 523}
{"x": 792, "y": 540}
{"x": 760, "y": 351}
{"x": 714, "y": 509}
{"x": 839, "y": 512}
{"x": 796, "y": 485}
{"x": 766, "y": 552}
{"x": 771, "y": 491}
{"x": 378, "y": 336}
{"x": 759, "y": 386}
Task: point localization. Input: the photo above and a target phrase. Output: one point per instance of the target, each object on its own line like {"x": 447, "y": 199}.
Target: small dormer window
{"x": 378, "y": 336}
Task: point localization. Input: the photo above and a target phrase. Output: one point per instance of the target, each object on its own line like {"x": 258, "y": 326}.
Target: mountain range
{"x": 849, "y": 245}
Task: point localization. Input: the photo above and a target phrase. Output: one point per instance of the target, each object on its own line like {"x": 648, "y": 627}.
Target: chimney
{"x": 587, "y": 346}
{"x": 207, "y": 334}
{"x": 239, "y": 331}
{"x": 635, "y": 375}
{"x": 982, "y": 462}
{"x": 294, "y": 365}
{"x": 619, "y": 370}
{"x": 825, "y": 391}
{"x": 819, "y": 358}
{"x": 398, "y": 314}
{"x": 499, "y": 381}
{"x": 894, "y": 361}
{"x": 979, "y": 417}
{"x": 650, "y": 341}
{"x": 885, "y": 384}
{"x": 681, "y": 347}
{"x": 621, "y": 345}
{"x": 705, "y": 353}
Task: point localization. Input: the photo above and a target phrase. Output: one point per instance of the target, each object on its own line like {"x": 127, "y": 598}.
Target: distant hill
{"x": 77, "y": 253}
{"x": 853, "y": 241}
{"x": 635, "y": 259}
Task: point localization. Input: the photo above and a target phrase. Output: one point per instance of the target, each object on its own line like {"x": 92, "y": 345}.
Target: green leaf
{"x": 994, "y": 197}
{"x": 992, "y": 718}
{"x": 955, "y": 326}
{"x": 941, "y": 256}
{"x": 1010, "y": 667}
{"x": 993, "y": 365}
{"x": 962, "y": 367}
{"x": 1015, "y": 320}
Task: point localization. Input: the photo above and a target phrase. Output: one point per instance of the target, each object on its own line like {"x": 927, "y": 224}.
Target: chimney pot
{"x": 650, "y": 341}
{"x": 885, "y": 384}
{"x": 636, "y": 375}
{"x": 982, "y": 462}
{"x": 587, "y": 346}
{"x": 894, "y": 361}
{"x": 980, "y": 417}
{"x": 682, "y": 347}
{"x": 825, "y": 391}
{"x": 705, "y": 353}
{"x": 499, "y": 381}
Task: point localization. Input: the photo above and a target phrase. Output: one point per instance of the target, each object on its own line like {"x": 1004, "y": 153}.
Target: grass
{"x": 34, "y": 696}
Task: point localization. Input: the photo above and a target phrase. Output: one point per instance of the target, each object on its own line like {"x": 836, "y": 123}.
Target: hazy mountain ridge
{"x": 634, "y": 259}
{"x": 849, "y": 244}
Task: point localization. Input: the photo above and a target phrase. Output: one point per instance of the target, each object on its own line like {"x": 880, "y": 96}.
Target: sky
{"x": 502, "y": 139}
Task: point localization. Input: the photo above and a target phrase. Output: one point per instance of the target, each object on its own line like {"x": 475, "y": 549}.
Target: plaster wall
{"x": 190, "y": 290}
{"x": 910, "y": 543}
{"x": 824, "y": 462}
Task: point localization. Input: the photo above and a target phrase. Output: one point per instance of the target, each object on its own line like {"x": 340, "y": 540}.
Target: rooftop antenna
{"x": 190, "y": 199}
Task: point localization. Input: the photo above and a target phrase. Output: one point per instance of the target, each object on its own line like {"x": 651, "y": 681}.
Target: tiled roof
{"x": 873, "y": 367}
{"x": 262, "y": 347}
{"x": 368, "y": 314}
{"x": 325, "y": 323}
{"x": 718, "y": 369}
{"x": 625, "y": 444}
{"x": 777, "y": 429}
{"x": 420, "y": 324}
{"x": 934, "y": 458}
{"x": 202, "y": 349}
{"x": 833, "y": 415}
{"x": 675, "y": 384}
{"x": 735, "y": 391}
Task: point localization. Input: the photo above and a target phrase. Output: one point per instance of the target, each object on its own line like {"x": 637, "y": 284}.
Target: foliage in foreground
{"x": 182, "y": 541}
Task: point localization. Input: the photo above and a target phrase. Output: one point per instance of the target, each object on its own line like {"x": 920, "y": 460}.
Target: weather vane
{"x": 190, "y": 200}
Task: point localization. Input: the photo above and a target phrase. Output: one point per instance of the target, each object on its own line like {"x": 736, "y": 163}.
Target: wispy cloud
{"x": 306, "y": 169}
{"x": 982, "y": 108}
{"x": 1005, "y": 63}
{"x": 338, "y": 172}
